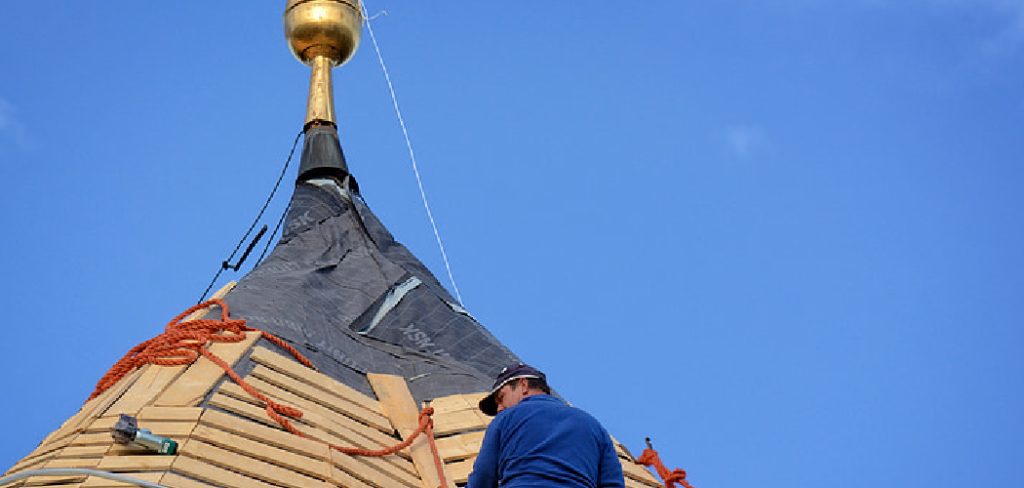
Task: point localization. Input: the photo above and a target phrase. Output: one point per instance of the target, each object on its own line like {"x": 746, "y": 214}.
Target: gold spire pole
{"x": 322, "y": 34}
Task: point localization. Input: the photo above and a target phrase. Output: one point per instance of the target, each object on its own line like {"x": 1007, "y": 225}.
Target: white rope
{"x": 412, "y": 156}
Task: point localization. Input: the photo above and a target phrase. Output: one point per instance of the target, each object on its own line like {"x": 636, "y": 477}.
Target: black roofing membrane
{"x": 353, "y": 300}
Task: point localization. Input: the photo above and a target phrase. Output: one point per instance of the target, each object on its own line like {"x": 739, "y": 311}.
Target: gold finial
{"x": 322, "y": 34}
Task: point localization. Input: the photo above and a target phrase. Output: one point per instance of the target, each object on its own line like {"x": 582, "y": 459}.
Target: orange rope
{"x": 438, "y": 463}
{"x": 182, "y": 342}
{"x": 650, "y": 458}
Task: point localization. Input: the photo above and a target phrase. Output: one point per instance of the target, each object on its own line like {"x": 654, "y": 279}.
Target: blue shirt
{"x": 542, "y": 442}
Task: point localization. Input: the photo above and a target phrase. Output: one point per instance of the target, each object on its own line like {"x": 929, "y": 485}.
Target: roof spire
{"x": 322, "y": 34}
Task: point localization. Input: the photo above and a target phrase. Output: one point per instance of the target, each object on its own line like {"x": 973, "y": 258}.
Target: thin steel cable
{"x": 270, "y": 197}
{"x": 412, "y": 156}
{"x": 273, "y": 191}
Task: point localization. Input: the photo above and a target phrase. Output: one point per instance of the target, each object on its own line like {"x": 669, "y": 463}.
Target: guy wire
{"x": 273, "y": 191}
{"x": 412, "y": 156}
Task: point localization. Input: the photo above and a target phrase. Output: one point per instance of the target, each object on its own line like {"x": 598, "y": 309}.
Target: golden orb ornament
{"x": 328, "y": 28}
{"x": 322, "y": 34}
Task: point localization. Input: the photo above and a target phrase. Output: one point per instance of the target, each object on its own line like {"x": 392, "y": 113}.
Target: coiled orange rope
{"x": 650, "y": 458}
{"x": 183, "y": 341}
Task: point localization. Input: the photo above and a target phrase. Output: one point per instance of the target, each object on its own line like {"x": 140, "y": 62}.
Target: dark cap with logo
{"x": 489, "y": 405}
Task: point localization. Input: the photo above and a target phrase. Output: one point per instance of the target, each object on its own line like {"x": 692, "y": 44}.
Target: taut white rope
{"x": 412, "y": 157}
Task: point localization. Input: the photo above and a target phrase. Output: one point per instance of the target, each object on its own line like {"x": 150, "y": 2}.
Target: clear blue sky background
{"x": 781, "y": 237}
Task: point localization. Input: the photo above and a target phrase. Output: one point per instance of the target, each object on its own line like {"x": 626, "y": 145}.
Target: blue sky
{"x": 782, "y": 238}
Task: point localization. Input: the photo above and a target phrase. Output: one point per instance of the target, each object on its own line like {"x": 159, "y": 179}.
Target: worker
{"x": 536, "y": 440}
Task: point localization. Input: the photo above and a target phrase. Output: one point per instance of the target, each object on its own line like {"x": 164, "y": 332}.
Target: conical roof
{"x": 382, "y": 334}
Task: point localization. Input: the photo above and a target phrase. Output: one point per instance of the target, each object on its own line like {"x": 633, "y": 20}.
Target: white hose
{"x": 78, "y": 471}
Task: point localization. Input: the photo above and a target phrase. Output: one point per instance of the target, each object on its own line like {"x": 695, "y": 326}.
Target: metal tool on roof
{"x": 127, "y": 431}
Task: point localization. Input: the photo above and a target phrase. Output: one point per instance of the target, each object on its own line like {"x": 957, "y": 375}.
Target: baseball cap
{"x": 489, "y": 405}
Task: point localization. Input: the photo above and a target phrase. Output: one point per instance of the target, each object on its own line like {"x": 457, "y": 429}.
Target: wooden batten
{"x": 316, "y": 424}
{"x": 212, "y": 474}
{"x": 127, "y": 464}
{"x": 459, "y": 470}
{"x": 639, "y": 474}
{"x": 397, "y": 402}
{"x": 246, "y": 462}
{"x": 342, "y": 395}
{"x": 459, "y": 447}
{"x": 175, "y": 480}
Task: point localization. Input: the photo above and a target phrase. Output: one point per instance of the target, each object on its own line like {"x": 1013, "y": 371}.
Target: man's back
{"x": 543, "y": 442}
